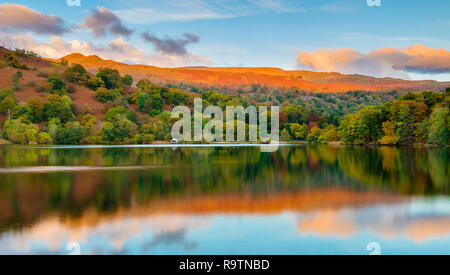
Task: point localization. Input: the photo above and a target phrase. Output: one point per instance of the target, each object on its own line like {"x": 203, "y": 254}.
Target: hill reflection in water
{"x": 300, "y": 199}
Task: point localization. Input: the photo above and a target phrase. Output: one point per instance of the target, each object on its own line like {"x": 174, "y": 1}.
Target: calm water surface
{"x": 224, "y": 200}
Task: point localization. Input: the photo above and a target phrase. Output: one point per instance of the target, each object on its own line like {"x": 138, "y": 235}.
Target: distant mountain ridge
{"x": 235, "y": 77}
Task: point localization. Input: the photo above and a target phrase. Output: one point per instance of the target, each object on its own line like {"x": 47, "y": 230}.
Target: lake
{"x": 224, "y": 200}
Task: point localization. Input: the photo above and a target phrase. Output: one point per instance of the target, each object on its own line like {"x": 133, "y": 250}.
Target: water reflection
{"x": 300, "y": 199}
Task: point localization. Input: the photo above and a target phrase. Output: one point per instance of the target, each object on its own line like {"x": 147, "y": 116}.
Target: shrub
{"x": 31, "y": 84}
{"x": 44, "y": 138}
{"x": 95, "y": 83}
{"x": 93, "y": 140}
{"x": 285, "y": 136}
{"x": 5, "y": 93}
{"x": 144, "y": 139}
{"x": 71, "y": 89}
{"x": 42, "y": 74}
{"x": 20, "y": 111}
{"x": 12, "y": 60}
{"x": 16, "y": 80}
{"x": 148, "y": 139}
{"x": 56, "y": 82}
{"x": 40, "y": 89}
{"x": 104, "y": 95}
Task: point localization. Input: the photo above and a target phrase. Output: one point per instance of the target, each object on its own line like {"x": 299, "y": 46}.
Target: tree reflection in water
{"x": 212, "y": 180}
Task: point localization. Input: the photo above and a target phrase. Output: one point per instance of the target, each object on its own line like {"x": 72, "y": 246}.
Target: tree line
{"x": 139, "y": 114}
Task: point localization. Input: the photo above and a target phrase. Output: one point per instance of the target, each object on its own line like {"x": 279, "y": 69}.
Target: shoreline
{"x": 166, "y": 144}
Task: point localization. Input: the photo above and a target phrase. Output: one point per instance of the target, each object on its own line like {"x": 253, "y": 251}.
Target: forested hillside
{"x": 43, "y": 102}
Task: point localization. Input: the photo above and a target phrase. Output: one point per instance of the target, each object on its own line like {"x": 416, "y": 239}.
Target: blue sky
{"x": 262, "y": 33}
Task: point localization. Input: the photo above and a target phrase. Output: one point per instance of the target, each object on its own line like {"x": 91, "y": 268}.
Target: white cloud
{"x": 118, "y": 50}
{"x": 180, "y": 10}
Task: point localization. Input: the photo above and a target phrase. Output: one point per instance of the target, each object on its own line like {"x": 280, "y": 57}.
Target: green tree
{"x": 144, "y": 103}
{"x": 299, "y": 132}
{"x": 95, "y": 83}
{"x": 314, "y": 135}
{"x": 124, "y": 128}
{"x": 59, "y": 107}
{"x": 440, "y": 126}
{"x": 406, "y": 114}
{"x": 431, "y": 98}
{"x": 88, "y": 121}
{"x": 7, "y": 101}
{"x": 71, "y": 134}
{"x": 285, "y": 136}
{"x": 127, "y": 80}
{"x": 44, "y": 138}
{"x": 295, "y": 114}
{"x": 56, "y": 85}
{"x": 111, "y": 78}
{"x": 390, "y": 137}
{"x": 35, "y": 108}
{"x": 107, "y": 131}
{"x": 19, "y": 132}
{"x": 157, "y": 104}
{"x": 113, "y": 114}
{"x": 328, "y": 134}
{"x": 364, "y": 126}
{"x": 53, "y": 125}
{"x": 76, "y": 74}
{"x": 178, "y": 97}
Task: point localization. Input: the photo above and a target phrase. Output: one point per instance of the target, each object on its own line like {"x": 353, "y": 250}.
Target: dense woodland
{"x": 139, "y": 113}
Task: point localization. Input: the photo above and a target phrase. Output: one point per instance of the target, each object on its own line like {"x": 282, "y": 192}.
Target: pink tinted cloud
{"x": 14, "y": 16}
{"x": 385, "y": 62}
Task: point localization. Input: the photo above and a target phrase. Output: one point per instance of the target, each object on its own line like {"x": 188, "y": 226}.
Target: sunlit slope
{"x": 235, "y": 77}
